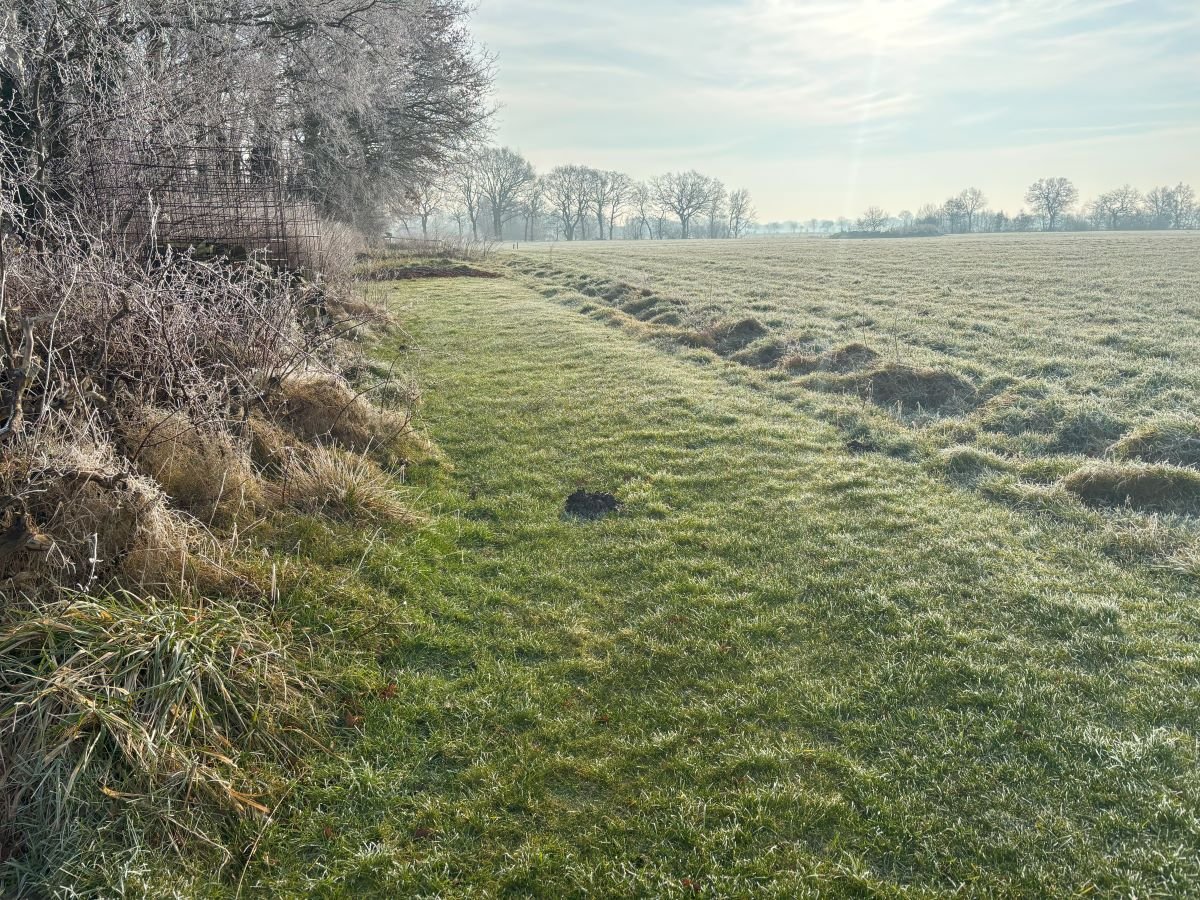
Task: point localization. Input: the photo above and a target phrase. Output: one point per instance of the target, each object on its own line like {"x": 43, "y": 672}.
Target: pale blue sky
{"x": 822, "y": 108}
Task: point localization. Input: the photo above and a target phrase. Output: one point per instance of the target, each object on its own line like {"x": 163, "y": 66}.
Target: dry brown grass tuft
{"x": 321, "y": 405}
{"x": 204, "y": 470}
{"x": 340, "y": 484}
{"x": 1153, "y": 487}
{"x": 104, "y": 522}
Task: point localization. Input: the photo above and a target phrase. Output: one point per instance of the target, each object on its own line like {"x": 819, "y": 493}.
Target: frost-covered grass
{"x": 784, "y": 669}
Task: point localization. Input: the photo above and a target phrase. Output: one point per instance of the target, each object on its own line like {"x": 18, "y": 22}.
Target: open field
{"x": 784, "y": 669}
{"x": 789, "y": 666}
{"x": 1052, "y": 371}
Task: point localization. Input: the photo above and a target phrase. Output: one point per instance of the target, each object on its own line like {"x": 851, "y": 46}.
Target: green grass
{"x": 1051, "y": 351}
{"x": 1101, "y": 316}
{"x": 783, "y": 670}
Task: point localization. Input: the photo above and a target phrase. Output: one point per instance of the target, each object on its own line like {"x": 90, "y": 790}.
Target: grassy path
{"x": 782, "y": 670}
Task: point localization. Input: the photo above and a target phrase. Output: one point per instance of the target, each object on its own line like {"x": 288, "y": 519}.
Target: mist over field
{"x": 740, "y": 448}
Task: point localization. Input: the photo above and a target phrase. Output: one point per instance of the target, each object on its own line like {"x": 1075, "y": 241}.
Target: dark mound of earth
{"x": 586, "y": 505}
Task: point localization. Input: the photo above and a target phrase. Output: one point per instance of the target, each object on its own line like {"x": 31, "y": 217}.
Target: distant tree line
{"x": 494, "y": 193}
{"x": 1053, "y": 206}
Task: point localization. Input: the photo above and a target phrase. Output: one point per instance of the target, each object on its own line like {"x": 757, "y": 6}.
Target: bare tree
{"x": 684, "y": 195}
{"x": 873, "y": 219}
{"x": 1160, "y": 204}
{"x": 1184, "y": 213}
{"x": 620, "y": 196}
{"x": 600, "y": 187}
{"x": 569, "y": 196}
{"x": 906, "y": 219}
{"x": 425, "y": 199}
{"x": 503, "y": 175}
{"x": 1051, "y": 198}
{"x": 458, "y": 215}
{"x": 972, "y": 200}
{"x": 716, "y": 210}
{"x": 533, "y": 208}
{"x": 931, "y": 214}
{"x": 955, "y": 213}
{"x": 355, "y": 101}
{"x": 741, "y": 213}
{"x": 1117, "y": 207}
{"x": 469, "y": 191}
{"x": 642, "y": 201}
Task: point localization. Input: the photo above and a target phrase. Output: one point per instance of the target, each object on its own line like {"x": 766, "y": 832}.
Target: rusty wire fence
{"x": 234, "y": 202}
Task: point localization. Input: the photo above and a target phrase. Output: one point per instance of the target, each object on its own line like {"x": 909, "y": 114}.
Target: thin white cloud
{"x": 752, "y": 85}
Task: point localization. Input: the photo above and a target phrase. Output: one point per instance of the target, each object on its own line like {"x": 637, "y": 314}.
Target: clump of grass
{"x": 908, "y": 388}
{"x": 764, "y": 354}
{"x": 1050, "y": 423}
{"x": 323, "y": 406}
{"x": 1174, "y": 440}
{"x": 1052, "y": 500}
{"x": 106, "y": 523}
{"x": 848, "y": 358}
{"x": 1153, "y": 487}
{"x": 640, "y": 307}
{"x": 1087, "y": 429}
{"x": 342, "y": 485}
{"x": 137, "y": 700}
{"x": 1138, "y": 537}
{"x": 202, "y": 469}
{"x": 669, "y": 318}
{"x": 972, "y": 462}
{"x": 913, "y": 386}
{"x": 730, "y": 336}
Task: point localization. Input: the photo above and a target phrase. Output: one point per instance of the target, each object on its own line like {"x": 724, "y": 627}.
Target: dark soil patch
{"x": 412, "y": 273}
{"x": 587, "y": 505}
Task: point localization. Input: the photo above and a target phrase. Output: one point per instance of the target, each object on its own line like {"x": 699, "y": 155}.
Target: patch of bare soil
{"x": 413, "y": 273}
{"x": 587, "y": 505}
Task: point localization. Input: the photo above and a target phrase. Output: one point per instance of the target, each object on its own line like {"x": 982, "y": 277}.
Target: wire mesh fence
{"x": 228, "y": 201}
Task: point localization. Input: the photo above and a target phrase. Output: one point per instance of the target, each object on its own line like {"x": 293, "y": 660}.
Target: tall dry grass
{"x": 152, "y": 407}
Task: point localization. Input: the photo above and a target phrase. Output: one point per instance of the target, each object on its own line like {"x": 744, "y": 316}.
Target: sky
{"x": 823, "y": 108}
